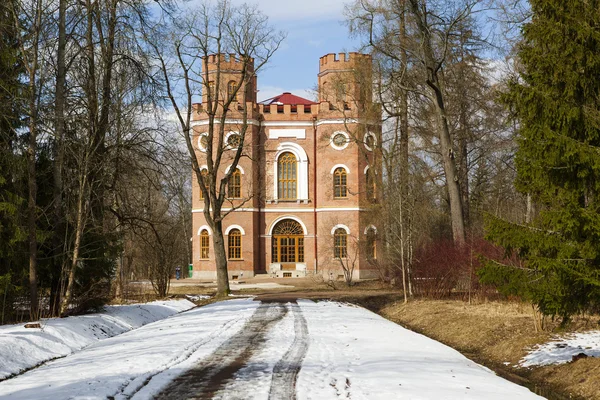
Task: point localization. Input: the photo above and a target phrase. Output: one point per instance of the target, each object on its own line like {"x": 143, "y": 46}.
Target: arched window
{"x": 287, "y": 172}
{"x": 371, "y": 185}
{"x": 371, "y": 246}
{"x": 231, "y": 87}
{"x": 204, "y": 174}
{"x": 340, "y": 189}
{"x": 204, "y": 243}
{"x": 340, "y": 243}
{"x": 234, "y": 245}
{"x": 287, "y": 242}
{"x": 234, "y": 186}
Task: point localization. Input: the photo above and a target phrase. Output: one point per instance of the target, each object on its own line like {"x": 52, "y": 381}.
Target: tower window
{"x": 231, "y": 89}
{"x": 371, "y": 186}
{"x": 371, "y": 245}
{"x": 234, "y": 245}
{"x": 204, "y": 243}
{"x": 287, "y": 172}
{"x": 340, "y": 189}
{"x": 234, "y": 186}
{"x": 340, "y": 243}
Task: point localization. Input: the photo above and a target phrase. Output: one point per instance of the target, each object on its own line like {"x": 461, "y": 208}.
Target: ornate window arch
{"x": 340, "y": 183}
{"x": 234, "y": 244}
{"x": 287, "y": 176}
{"x": 204, "y": 244}
{"x": 287, "y": 241}
{"x": 234, "y": 185}
{"x": 231, "y": 88}
{"x": 302, "y": 169}
{"x": 340, "y": 243}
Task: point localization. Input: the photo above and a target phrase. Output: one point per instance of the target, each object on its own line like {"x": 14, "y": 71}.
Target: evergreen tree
{"x": 557, "y": 103}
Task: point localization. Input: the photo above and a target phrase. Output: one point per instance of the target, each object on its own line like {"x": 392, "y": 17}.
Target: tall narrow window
{"x": 340, "y": 243}
{"x": 340, "y": 189}
{"x": 210, "y": 90}
{"x": 204, "y": 174}
{"x": 204, "y": 244}
{"x": 234, "y": 186}
{"x": 231, "y": 88}
{"x": 371, "y": 186}
{"x": 234, "y": 242}
{"x": 371, "y": 244}
{"x": 287, "y": 171}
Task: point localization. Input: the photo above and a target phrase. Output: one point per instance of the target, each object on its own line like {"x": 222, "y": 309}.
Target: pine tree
{"x": 557, "y": 103}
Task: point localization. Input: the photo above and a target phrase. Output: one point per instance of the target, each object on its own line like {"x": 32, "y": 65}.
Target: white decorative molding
{"x": 340, "y": 166}
{"x": 338, "y": 147}
{"x": 372, "y": 135}
{"x": 370, "y": 227}
{"x": 298, "y": 220}
{"x": 288, "y": 123}
{"x": 238, "y": 167}
{"x": 366, "y": 169}
{"x": 227, "y": 135}
{"x": 288, "y": 210}
{"x": 204, "y": 227}
{"x": 230, "y": 227}
{"x": 338, "y": 226}
{"x": 302, "y": 159}
{"x": 287, "y": 133}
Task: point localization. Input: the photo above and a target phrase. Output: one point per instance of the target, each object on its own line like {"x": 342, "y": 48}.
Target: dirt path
{"x": 213, "y": 373}
{"x": 285, "y": 372}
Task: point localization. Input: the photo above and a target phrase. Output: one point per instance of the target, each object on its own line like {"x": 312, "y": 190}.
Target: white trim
{"x": 370, "y": 227}
{"x": 298, "y": 220}
{"x": 204, "y": 227}
{"x": 336, "y": 166}
{"x": 370, "y": 134}
{"x": 288, "y": 123}
{"x": 287, "y": 133}
{"x": 288, "y": 210}
{"x": 200, "y": 147}
{"x": 204, "y": 167}
{"x": 335, "y": 146}
{"x": 238, "y": 167}
{"x": 366, "y": 169}
{"x": 338, "y": 226}
{"x": 231, "y": 133}
{"x": 230, "y": 227}
{"x": 302, "y": 159}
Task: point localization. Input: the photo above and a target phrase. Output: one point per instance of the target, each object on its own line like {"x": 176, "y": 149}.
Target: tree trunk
{"x": 78, "y": 234}
{"x": 59, "y": 127}
{"x": 220, "y": 260}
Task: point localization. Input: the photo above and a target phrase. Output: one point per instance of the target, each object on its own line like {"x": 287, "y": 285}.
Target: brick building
{"x": 301, "y": 196}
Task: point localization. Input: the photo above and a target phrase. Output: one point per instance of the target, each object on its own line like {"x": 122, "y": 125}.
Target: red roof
{"x": 287, "y": 98}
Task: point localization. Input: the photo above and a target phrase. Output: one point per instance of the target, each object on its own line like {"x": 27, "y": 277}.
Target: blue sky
{"x": 314, "y": 28}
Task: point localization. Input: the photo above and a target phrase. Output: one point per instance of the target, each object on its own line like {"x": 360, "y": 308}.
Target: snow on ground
{"x": 23, "y": 348}
{"x": 356, "y": 354}
{"x": 121, "y": 366}
{"x": 562, "y": 349}
{"x": 348, "y": 352}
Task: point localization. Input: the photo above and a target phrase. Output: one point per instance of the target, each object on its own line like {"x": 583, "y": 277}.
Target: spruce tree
{"x": 557, "y": 103}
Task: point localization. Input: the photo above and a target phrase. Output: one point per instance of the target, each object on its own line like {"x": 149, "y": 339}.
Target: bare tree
{"x": 183, "y": 56}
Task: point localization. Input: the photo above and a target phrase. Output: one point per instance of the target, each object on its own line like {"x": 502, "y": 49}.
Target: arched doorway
{"x": 287, "y": 242}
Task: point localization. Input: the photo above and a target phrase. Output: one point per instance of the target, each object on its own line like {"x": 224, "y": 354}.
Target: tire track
{"x": 285, "y": 372}
{"x": 213, "y": 373}
{"x": 131, "y": 388}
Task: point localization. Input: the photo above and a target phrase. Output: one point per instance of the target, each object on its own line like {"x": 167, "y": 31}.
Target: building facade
{"x": 300, "y": 201}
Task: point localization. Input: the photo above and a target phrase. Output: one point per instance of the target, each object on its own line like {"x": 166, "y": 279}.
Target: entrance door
{"x": 287, "y": 242}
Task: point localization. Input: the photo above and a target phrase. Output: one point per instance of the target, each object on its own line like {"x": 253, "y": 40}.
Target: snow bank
{"x": 137, "y": 364}
{"x": 357, "y": 354}
{"x": 562, "y": 349}
{"x": 23, "y": 348}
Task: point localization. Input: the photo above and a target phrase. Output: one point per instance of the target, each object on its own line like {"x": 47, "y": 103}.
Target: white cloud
{"x": 300, "y": 9}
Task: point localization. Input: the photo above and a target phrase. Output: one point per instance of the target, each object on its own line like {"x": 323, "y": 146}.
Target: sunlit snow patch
{"x": 563, "y": 348}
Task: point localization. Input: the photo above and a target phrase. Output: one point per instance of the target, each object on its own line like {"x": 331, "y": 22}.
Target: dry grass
{"x": 496, "y": 332}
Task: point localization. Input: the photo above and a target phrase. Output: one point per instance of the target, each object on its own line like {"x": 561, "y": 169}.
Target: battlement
{"x": 342, "y": 60}
{"x": 226, "y": 62}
